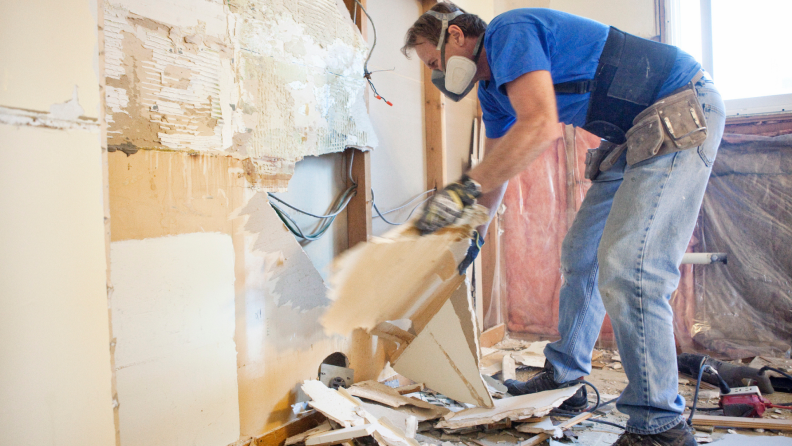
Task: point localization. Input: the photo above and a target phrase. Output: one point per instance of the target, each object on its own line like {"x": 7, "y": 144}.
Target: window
{"x": 744, "y": 45}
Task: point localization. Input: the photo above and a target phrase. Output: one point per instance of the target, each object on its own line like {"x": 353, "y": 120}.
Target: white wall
{"x": 632, "y": 16}
{"x": 398, "y": 166}
{"x": 175, "y": 358}
{"x": 55, "y": 375}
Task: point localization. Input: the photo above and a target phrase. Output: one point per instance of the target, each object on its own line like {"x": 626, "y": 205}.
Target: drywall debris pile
{"x": 373, "y": 409}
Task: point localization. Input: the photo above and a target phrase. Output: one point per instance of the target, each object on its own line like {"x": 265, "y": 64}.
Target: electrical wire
{"x": 381, "y": 215}
{"x": 695, "y": 396}
{"x": 346, "y": 193}
{"x": 327, "y": 220}
{"x": 409, "y": 202}
{"x": 366, "y": 72}
{"x": 767, "y": 367}
{"x": 560, "y": 413}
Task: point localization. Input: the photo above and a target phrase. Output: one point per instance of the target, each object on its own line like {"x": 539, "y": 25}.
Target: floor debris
{"x": 424, "y": 417}
{"x": 516, "y": 408}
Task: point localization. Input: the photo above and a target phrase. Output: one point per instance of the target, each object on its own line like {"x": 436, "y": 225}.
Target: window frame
{"x": 775, "y": 104}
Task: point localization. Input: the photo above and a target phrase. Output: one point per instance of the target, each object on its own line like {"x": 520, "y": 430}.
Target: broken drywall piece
{"x": 410, "y": 388}
{"x": 339, "y": 435}
{"x": 298, "y": 282}
{"x": 492, "y": 363}
{"x": 538, "y": 427}
{"x": 515, "y": 408}
{"x": 509, "y": 368}
{"x": 401, "y": 419}
{"x": 388, "y": 434}
{"x": 529, "y": 360}
{"x": 374, "y": 391}
{"x": 444, "y": 356}
{"x": 401, "y": 275}
{"x": 348, "y": 411}
{"x": 300, "y": 438}
{"x": 332, "y": 404}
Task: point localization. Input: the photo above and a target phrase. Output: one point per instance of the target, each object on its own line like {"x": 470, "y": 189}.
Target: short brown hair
{"x": 429, "y": 27}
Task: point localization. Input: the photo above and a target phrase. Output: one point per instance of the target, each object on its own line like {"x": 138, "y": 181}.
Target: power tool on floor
{"x": 743, "y": 401}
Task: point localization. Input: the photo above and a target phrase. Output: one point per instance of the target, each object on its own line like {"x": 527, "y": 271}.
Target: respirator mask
{"x": 457, "y": 79}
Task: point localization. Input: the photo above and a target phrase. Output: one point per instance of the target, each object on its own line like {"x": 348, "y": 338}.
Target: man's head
{"x": 460, "y": 38}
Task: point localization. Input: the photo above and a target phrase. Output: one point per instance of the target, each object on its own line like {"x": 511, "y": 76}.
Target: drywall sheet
{"x": 445, "y": 355}
{"x": 266, "y": 81}
{"x": 401, "y": 275}
{"x": 54, "y": 344}
{"x": 516, "y": 408}
{"x": 172, "y": 306}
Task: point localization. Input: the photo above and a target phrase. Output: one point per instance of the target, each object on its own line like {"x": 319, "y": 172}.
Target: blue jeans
{"x": 622, "y": 255}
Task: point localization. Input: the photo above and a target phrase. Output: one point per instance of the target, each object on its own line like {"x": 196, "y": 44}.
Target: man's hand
{"x": 476, "y": 242}
{"x": 446, "y": 206}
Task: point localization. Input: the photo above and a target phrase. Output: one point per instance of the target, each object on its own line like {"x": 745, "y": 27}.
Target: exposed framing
{"x": 435, "y": 125}
{"x": 359, "y": 223}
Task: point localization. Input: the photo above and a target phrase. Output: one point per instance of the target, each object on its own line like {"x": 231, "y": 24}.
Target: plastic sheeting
{"x": 541, "y": 203}
{"x": 744, "y": 308}
{"x": 737, "y": 310}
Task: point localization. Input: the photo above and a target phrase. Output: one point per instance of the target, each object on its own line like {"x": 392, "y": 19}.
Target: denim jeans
{"x": 622, "y": 255}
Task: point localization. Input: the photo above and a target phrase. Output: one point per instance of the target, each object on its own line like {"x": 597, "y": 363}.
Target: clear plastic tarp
{"x": 737, "y": 310}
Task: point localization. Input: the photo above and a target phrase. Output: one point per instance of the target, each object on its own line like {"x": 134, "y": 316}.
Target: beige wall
{"x": 55, "y": 377}
{"x": 632, "y": 16}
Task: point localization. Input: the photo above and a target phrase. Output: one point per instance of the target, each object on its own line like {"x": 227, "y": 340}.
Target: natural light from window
{"x": 751, "y": 45}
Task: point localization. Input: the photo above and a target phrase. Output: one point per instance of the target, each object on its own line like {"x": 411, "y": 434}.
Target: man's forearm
{"x": 515, "y": 151}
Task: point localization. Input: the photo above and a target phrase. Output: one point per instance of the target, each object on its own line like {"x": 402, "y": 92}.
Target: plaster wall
{"x": 48, "y": 49}
{"x": 55, "y": 375}
{"x": 55, "y": 380}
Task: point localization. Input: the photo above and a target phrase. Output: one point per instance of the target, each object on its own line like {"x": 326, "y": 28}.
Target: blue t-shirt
{"x": 568, "y": 46}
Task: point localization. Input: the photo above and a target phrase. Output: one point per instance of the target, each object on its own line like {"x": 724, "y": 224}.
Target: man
{"x": 661, "y": 120}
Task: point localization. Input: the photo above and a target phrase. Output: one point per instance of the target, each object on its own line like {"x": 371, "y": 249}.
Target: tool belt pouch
{"x": 669, "y": 125}
{"x": 594, "y": 159}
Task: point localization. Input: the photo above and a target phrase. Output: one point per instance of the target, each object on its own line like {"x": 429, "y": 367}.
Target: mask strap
{"x": 478, "y": 47}
{"x": 476, "y": 51}
{"x": 445, "y": 18}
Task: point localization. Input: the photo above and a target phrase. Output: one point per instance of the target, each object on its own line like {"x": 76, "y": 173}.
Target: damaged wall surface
{"x": 266, "y": 81}
{"x": 278, "y": 295}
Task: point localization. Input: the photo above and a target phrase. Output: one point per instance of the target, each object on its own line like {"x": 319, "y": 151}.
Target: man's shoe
{"x": 544, "y": 381}
{"x": 679, "y": 435}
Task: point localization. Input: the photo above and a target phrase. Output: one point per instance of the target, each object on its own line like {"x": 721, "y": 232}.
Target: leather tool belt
{"x": 671, "y": 124}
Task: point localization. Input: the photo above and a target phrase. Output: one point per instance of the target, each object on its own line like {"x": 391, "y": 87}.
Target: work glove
{"x": 446, "y": 206}
{"x": 476, "y": 242}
